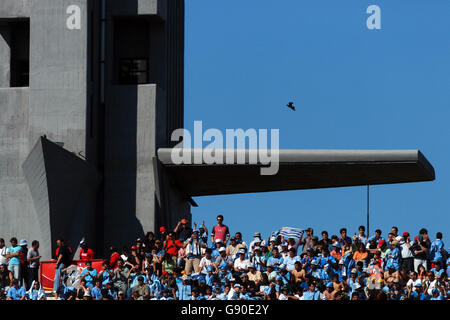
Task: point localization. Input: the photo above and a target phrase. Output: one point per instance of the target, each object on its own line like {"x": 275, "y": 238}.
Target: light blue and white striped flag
{"x": 288, "y": 232}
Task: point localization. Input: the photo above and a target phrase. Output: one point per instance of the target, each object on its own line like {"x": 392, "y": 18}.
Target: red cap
{"x": 133, "y": 248}
{"x": 381, "y": 243}
{"x": 162, "y": 229}
{"x": 405, "y": 234}
{"x": 164, "y": 273}
{"x": 184, "y": 221}
{"x": 416, "y": 238}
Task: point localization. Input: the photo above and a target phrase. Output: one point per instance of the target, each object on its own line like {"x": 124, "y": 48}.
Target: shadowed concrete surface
{"x": 64, "y": 189}
{"x": 298, "y": 169}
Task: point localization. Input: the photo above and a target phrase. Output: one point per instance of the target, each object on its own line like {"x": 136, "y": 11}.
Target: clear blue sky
{"x": 354, "y": 88}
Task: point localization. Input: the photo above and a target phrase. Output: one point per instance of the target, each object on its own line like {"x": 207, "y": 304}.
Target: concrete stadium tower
{"x": 90, "y": 92}
{"x": 103, "y": 82}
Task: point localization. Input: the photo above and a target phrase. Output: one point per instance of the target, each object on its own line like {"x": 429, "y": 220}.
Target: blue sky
{"x": 354, "y": 88}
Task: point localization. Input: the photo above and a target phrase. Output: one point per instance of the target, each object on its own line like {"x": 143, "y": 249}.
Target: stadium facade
{"x": 90, "y": 91}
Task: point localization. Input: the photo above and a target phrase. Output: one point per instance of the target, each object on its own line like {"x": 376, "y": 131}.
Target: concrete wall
{"x": 120, "y": 137}
{"x": 15, "y": 8}
{"x": 128, "y": 173}
{"x": 58, "y": 74}
{"x": 138, "y": 119}
{"x": 17, "y": 214}
{"x": 54, "y": 104}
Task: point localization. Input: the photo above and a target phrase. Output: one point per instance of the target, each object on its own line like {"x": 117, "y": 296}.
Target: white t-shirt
{"x": 233, "y": 295}
{"x": 282, "y": 297}
{"x": 406, "y": 252}
{"x": 431, "y": 286}
{"x": 413, "y": 283}
{"x": 241, "y": 264}
{"x": 205, "y": 262}
{"x": 3, "y": 259}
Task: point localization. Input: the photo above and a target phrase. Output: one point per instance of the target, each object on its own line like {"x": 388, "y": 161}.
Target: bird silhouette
{"x": 291, "y": 105}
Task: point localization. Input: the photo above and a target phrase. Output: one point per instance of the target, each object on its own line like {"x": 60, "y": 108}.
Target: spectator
{"x": 6, "y": 278}
{"x": 336, "y": 253}
{"x": 89, "y": 274}
{"x": 325, "y": 242}
{"x": 184, "y": 289}
{"x": 114, "y": 257}
{"x": 344, "y": 239}
{"x": 394, "y": 232}
{"x": 362, "y": 238}
{"x": 220, "y": 231}
{"x": 205, "y": 261}
{"x": 140, "y": 250}
{"x": 406, "y": 253}
{"x": 169, "y": 263}
{"x": 162, "y": 234}
{"x": 120, "y": 280}
{"x": 255, "y": 242}
{"x": 85, "y": 252}
{"x": 3, "y": 252}
{"x": 82, "y": 290}
{"x": 307, "y": 241}
{"x": 141, "y": 291}
{"x": 106, "y": 275}
{"x": 16, "y": 291}
{"x": 13, "y": 254}
{"x": 133, "y": 259}
{"x": 111, "y": 292}
{"x": 361, "y": 254}
{"x": 149, "y": 241}
{"x": 290, "y": 260}
{"x": 96, "y": 291}
{"x": 233, "y": 248}
{"x": 437, "y": 248}
{"x": 23, "y": 252}
{"x": 33, "y": 258}
{"x": 64, "y": 259}
{"x": 181, "y": 234}
{"x": 377, "y": 237}
{"x": 36, "y": 292}
{"x": 313, "y": 293}
{"x": 193, "y": 248}
{"x": 172, "y": 245}
{"x": 240, "y": 264}
{"x": 420, "y": 251}
{"x": 203, "y": 234}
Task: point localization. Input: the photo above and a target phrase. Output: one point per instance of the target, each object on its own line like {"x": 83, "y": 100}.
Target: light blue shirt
{"x": 184, "y": 292}
{"x": 90, "y": 275}
{"x": 289, "y": 263}
{"x": 106, "y": 277}
{"x": 435, "y": 250}
{"x": 272, "y": 262}
{"x": 16, "y": 294}
{"x": 308, "y": 295}
{"x": 96, "y": 293}
{"x": 14, "y": 260}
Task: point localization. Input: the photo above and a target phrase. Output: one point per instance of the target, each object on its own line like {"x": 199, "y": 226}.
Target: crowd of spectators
{"x": 195, "y": 264}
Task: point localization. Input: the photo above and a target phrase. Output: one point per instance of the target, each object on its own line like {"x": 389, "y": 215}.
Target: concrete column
{"x": 5, "y": 56}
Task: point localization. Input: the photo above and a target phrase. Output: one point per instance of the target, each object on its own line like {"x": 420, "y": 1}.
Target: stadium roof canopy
{"x": 298, "y": 169}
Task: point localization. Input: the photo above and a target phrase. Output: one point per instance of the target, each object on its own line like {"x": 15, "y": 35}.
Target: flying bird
{"x": 291, "y": 105}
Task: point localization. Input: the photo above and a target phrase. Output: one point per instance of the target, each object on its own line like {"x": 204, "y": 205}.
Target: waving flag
{"x": 288, "y": 232}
